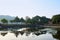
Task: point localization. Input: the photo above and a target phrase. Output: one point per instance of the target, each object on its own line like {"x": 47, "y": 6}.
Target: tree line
{"x": 35, "y": 20}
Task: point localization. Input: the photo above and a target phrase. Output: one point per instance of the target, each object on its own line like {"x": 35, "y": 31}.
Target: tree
{"x": 56, "y": 19}
{"x": 44, "y": 20}
{"x": 28, "y": 20}
{"x": 22, "y": 20}
{"x": 16, "y": 19}
{"x": 4, "y": 21}
{"x": 12, "y": 21}
{"x": 40, "y": 20}
{"x": 36, "y": 20}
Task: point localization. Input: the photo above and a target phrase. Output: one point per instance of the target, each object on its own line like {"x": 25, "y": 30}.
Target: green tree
{"x": 36, "y": 20}
{"x": 22, "y": 20}
{"x": 56, "y": 19}
{"x": 40, "y": 20}
{"x": 4, "y": 21}
{"x": 29, "y": 21}
{"x": 44, "y": 20}
{"x": 16, "y": 19}
{"x": 12, "y": 21}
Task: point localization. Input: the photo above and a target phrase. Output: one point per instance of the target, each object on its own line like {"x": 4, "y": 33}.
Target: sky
{"x": 31, "y": 8}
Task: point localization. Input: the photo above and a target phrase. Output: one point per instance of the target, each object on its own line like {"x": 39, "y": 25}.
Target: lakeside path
{"x": 51, "y": 26}
{"x": 29, "y": 26}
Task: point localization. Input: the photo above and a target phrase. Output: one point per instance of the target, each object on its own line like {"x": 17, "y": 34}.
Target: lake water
{"x": 23, "y": 34}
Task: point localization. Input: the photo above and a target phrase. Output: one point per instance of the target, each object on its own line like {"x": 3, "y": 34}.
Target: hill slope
{"x": 6, "y": 17}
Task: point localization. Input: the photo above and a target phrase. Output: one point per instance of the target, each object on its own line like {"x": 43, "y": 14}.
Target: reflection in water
{"x": 21, "y": 32}
{"x": 17, "y": 33}
{"x": 3, "y": 34}
{"x": 27, "y": 33}
{"x": 39, "y": 34}
{"x": 57, "y": 36}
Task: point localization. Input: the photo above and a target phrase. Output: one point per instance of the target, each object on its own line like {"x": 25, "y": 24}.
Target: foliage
{"x": 28, "y": 20}
{"x": 12, "y": 21}
{"x": 22, "y": 20}
{"x": 17, "y": 19}
{"x": 36, "y": 19}
{"x": 56, "y": 19}
{"x": 44, "y": 20}
{"x": 40, "y": 20}
{"x": 4, "y": 21}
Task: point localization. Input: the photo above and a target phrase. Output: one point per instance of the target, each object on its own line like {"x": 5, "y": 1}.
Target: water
{"x": 40, "y": 34}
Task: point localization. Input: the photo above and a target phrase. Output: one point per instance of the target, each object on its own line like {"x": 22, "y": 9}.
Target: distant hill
{"x": 6, "y": 17}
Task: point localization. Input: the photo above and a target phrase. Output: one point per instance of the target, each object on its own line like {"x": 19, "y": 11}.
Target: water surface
{"x": 23, "y": 34}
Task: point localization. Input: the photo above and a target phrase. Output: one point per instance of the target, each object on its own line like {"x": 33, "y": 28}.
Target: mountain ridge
{"x": 8, "y": 17}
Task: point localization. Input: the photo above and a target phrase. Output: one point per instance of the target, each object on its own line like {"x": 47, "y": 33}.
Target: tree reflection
{"x": 21, "y": 32}
{"x": 36, "y": 32}
{"x": 57, "y": 36}
{"x": 39, "y": 33}
{"x": 16, "y": 33}
{"x": 28, "y": 33}
{"x": 3, "y": 34}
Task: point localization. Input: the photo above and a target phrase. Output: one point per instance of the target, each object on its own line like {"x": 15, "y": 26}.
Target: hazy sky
{"x": 30, "y": 8}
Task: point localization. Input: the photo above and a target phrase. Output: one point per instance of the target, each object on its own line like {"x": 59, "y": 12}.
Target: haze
{"x": 30, "y": 8}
